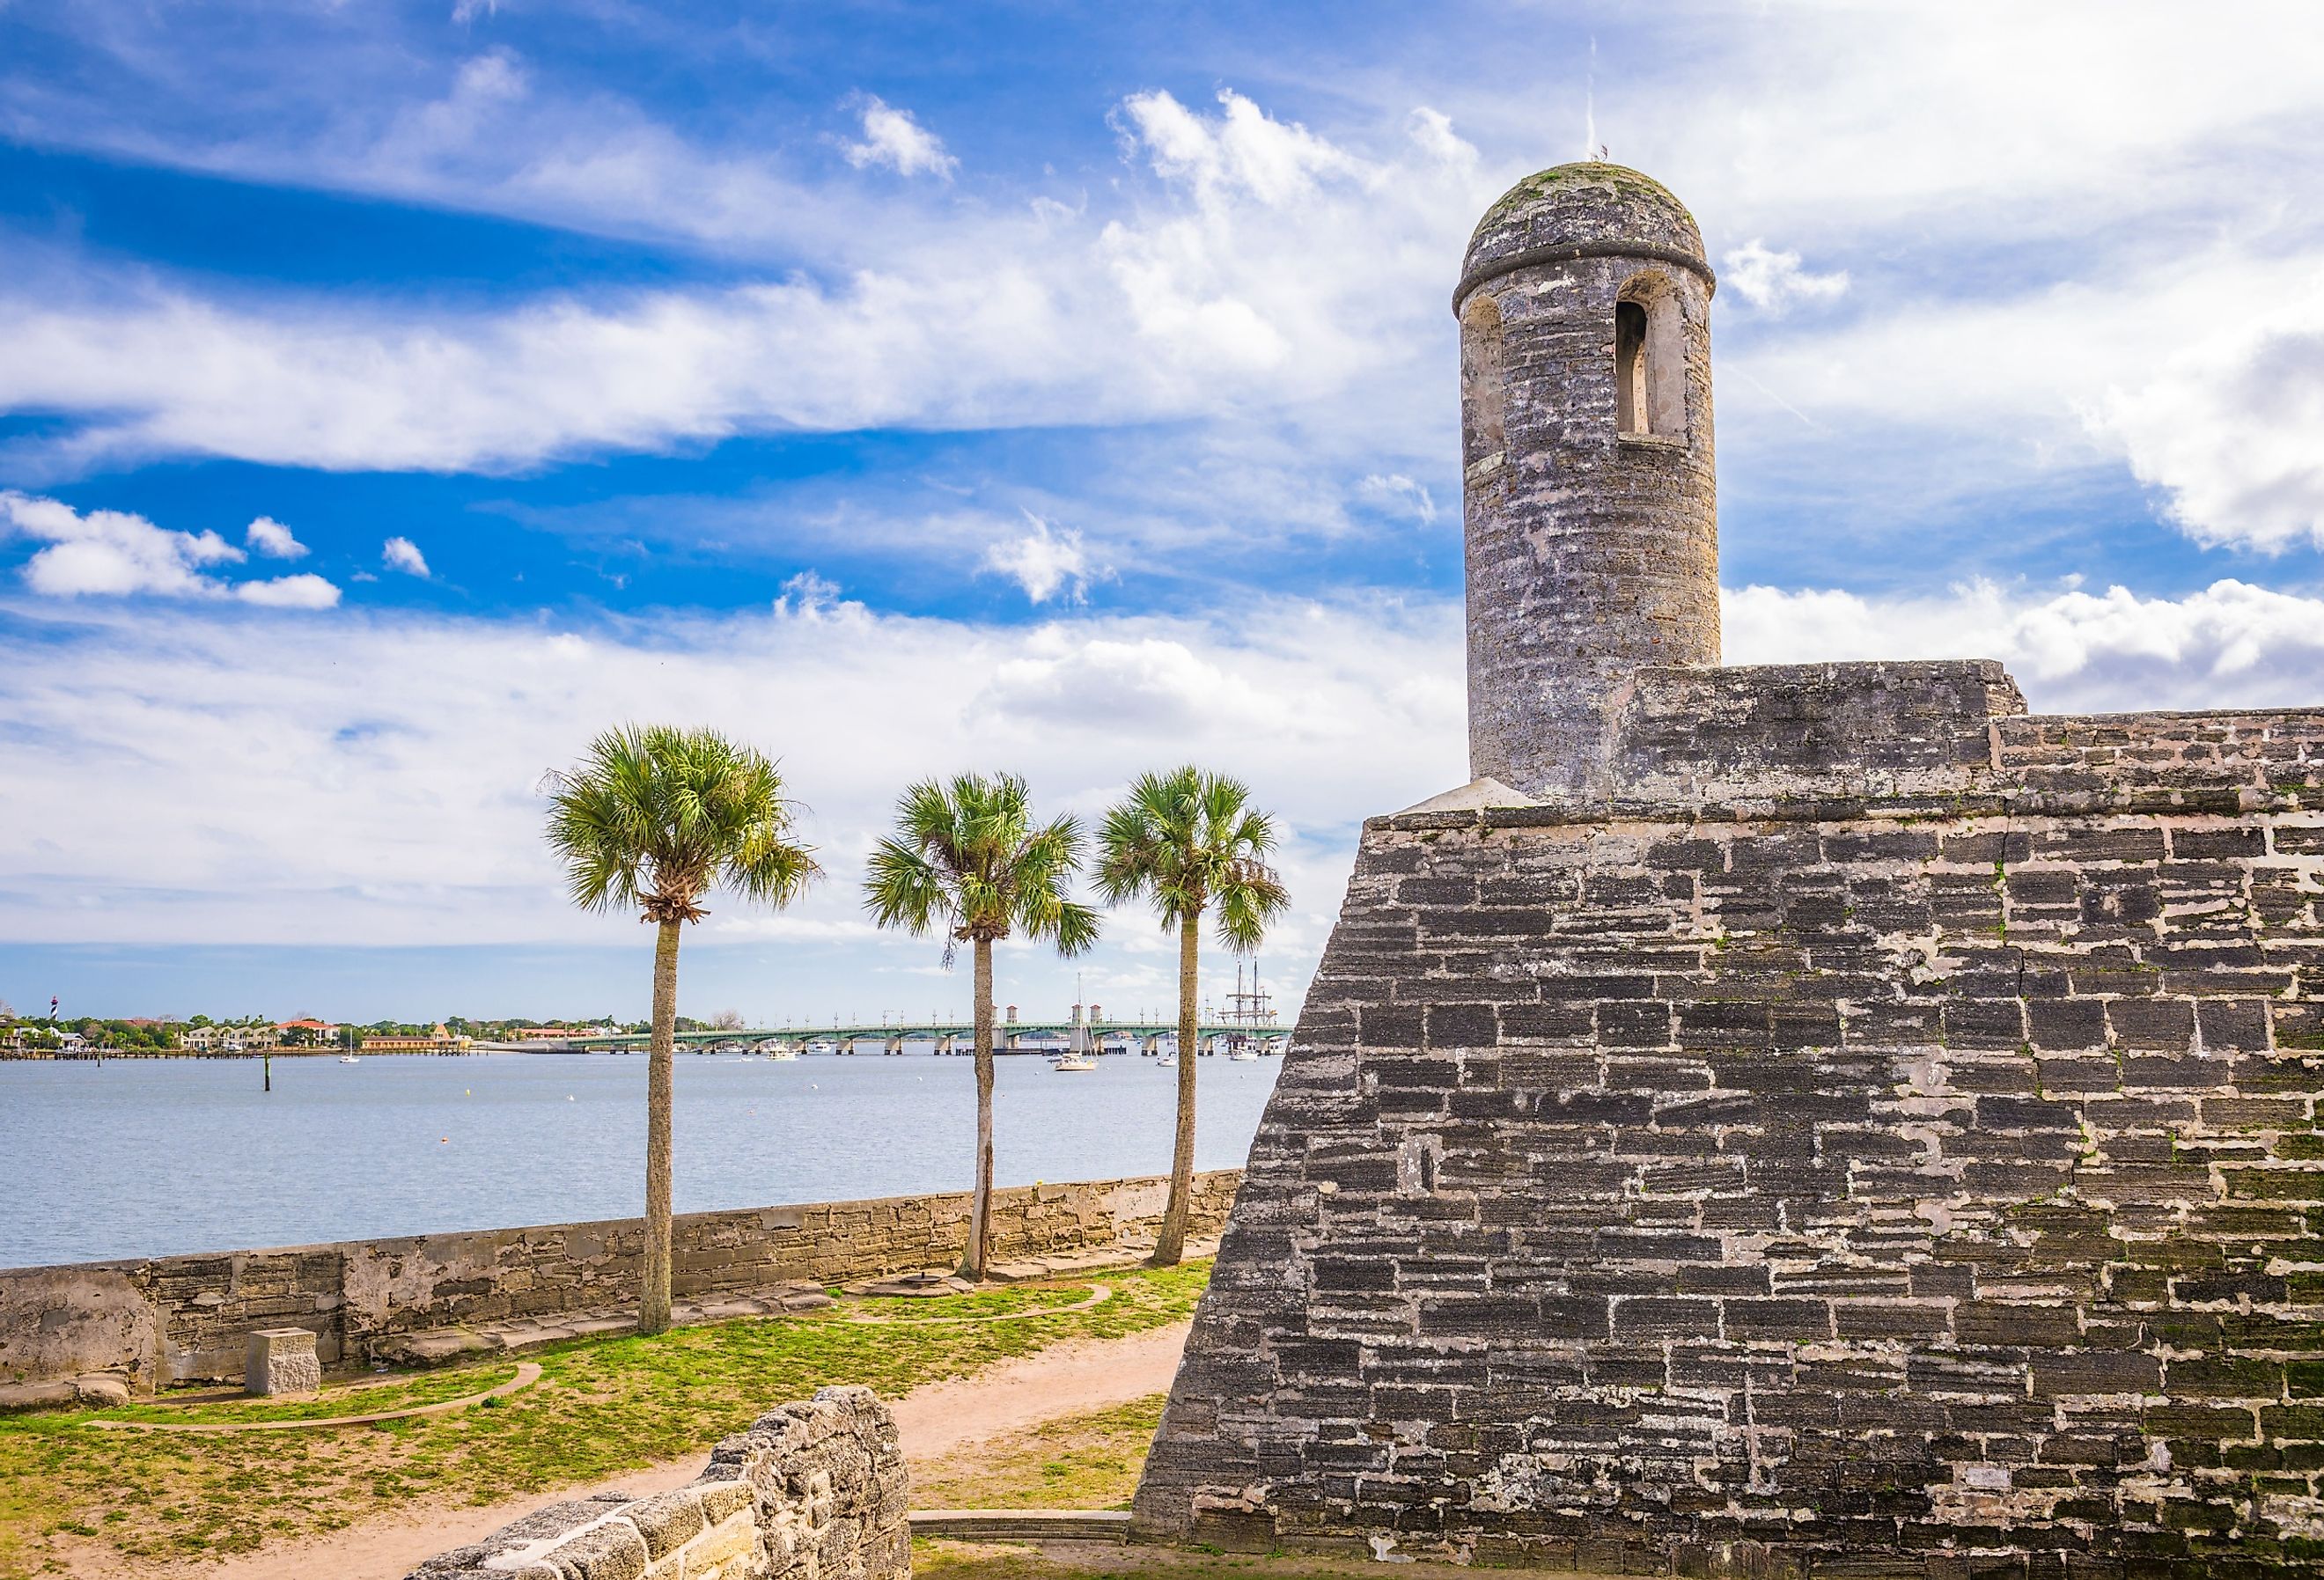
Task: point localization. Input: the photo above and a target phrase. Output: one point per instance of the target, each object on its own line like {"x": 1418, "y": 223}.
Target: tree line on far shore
{"x": 654, "y": 818}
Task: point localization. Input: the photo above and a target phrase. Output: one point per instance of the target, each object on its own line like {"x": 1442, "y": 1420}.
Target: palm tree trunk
{"x": 980, "y": 1213}
{"x": 653, "y": 1301}
{"x": 1172, "y": 1245}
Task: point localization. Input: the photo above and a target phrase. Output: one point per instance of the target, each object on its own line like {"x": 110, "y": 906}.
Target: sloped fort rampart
{"x": 1824, "y": 1120}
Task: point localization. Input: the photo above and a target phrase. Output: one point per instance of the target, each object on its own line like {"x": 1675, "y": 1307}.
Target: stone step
{"x": 1115, "y": 1258}
{"x": 438, "y": 1346}
{"x": 1023, "y": 1525}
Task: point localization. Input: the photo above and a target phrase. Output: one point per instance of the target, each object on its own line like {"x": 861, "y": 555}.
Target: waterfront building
{"x": 440, "y": 1040}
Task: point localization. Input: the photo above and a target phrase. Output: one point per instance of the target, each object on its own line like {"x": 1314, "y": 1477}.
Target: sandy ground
{"x": 1070, "y": 1380}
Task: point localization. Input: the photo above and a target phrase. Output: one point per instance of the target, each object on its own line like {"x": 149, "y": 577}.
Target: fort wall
{"x": 1895, "y": 1153}
{"x": 186, "y": 1318}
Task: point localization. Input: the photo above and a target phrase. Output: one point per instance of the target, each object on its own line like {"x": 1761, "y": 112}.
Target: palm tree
{"x": 1190, "y": 842}
{"x": 656, "y": 816}
{"x": 966, "y": 858}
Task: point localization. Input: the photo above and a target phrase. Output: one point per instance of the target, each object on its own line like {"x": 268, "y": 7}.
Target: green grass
{"x": 602, "y": 1407}
{"x": 352, "y": 1398}
{"x": 1081, "y": 1462}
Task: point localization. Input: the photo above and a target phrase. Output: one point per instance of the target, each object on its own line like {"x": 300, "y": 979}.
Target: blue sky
{"x": 393, "y": 395}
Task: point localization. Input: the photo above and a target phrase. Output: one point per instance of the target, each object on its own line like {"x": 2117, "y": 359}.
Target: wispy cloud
{"x": 1400, "y": 492}
{"x": 1773, "y": 281}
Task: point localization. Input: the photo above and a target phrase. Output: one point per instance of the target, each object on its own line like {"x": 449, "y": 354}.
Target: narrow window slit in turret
{"x": 1632, "y": 410}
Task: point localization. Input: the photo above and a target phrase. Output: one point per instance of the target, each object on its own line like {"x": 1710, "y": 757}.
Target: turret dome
{"x": 1588, "y": 210}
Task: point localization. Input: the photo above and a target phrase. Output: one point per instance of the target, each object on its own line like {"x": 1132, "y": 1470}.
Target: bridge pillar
{"x": 895, "y": 1045}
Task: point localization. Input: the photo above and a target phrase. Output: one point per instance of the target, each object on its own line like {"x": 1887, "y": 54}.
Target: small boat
{"x": 1169, "y": 1062}
{"x": 1243, "y": 1056}
{"x": 783, "y": 1055}
{"x": 349, "y": 1058}
{"x": 1075, "y": 1061}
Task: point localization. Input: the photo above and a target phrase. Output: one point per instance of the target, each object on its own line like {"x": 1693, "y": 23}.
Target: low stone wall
{"x": 813, "y": 1492}
{"x": 188, "y": 1318}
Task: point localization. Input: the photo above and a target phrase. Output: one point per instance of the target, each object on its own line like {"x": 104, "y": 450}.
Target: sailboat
{"x": 1081, "y": 1049}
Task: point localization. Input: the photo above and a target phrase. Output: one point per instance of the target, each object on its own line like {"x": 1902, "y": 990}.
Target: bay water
{"x": 157, "y": 1157}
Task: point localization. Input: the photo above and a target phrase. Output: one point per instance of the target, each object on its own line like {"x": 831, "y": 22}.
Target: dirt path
{"x": 1071, "y": 1378}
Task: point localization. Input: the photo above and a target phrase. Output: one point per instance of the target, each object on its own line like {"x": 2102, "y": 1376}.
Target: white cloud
{"x": 810, "y": 596}
{"x": 892, "y": 138}
{"x": 1043, "y": 562}
{"x": 110, "y": 552}
{"x": 2229, "y": 645}
{"x": 1988, "y": 394}
{"x": 304, "y": 802}
{"x": 290, "y": 592}
{"x": 2228, "y": 428}
{"x": 1262, "y": 274}
{"x": 1772, "y": 280}
{"x": 271, "y": 538}
{"x": 1396, "y": 491}
{"x": 308, "y": 803}
{"x": 823, "y": 929}
{"x": 1263, "y": 271}
{"x": 114, "y": 554}
{"x": 402, "y": 554}
{"x": 1244, "y": 152}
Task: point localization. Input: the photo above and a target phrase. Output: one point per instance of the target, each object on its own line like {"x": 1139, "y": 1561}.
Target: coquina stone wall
{"x": 182, "y": 1318}
{"x": 1800, "y": 1173}
{"x": 811, "y": 1492}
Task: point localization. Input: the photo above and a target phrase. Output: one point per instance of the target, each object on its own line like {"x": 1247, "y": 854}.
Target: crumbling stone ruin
{"x": 1784, "y": 1120}
{"x": 810, "y": 1491}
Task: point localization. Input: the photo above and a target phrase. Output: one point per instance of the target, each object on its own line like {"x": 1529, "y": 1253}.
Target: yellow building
{"x": 436, "y": 1041}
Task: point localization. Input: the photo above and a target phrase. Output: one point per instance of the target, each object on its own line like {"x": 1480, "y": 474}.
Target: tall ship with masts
{"x": 1250, "y": 1010}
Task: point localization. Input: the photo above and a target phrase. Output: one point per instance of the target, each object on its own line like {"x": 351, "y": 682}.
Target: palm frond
{"x": 1187, "y": 841}
{"x": 903, "y": 888}
{"x": 656, "y": 815}
{"x": 965, "y": 853}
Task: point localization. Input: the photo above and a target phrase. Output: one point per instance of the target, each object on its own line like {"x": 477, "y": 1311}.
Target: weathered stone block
{"x": 811, "y": 1492}
{"x": 282, "y": 1359}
